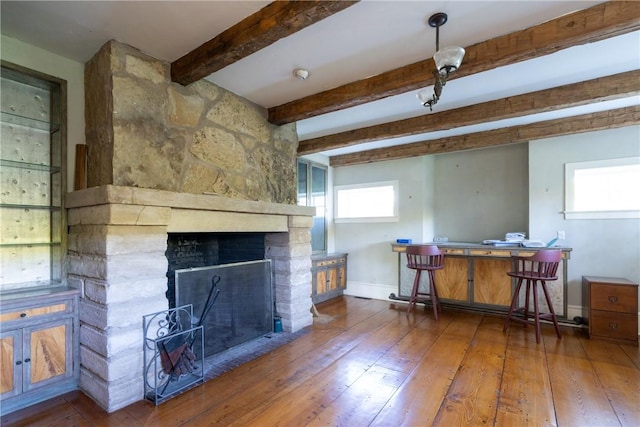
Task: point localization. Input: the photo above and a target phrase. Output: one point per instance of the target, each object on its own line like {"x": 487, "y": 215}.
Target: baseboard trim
{"x": 370, "y": 290}
{"x": 573, "y": 311}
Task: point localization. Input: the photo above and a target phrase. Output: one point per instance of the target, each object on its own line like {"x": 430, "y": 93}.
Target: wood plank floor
{"x": 371, "y": 365}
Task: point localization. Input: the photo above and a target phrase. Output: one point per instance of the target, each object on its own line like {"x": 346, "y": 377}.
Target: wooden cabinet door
{"x": 453, "y": 280}
{"x": 332, "y": 279}
{"x": 342, "y": 277}
{"x": 10, "y": 363}
{"x": 491, "y": 285}
{"x": 47, "y": 356}
{"x": 321, "y": 281}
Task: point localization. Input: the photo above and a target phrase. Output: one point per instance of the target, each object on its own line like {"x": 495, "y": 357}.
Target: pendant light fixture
{"x": 447, "y": 59}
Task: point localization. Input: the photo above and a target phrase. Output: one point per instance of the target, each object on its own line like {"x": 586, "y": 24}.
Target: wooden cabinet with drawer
{"x": 38, "y": 345}
{"x": 329, "y": 276}
{"x": 610, "y": 308}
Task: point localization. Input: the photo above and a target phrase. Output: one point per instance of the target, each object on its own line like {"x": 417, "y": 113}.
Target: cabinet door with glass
{"x": 31, "y": 179}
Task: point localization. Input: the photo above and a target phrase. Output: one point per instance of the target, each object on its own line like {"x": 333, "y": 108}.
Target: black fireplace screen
{"x": 244, "y": 307}
{"x": 193, "y": 250}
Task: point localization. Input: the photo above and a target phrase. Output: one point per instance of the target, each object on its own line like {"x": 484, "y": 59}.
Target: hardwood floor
{"x": 371, "y": 365}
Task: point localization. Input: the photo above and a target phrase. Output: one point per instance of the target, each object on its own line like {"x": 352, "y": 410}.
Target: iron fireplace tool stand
{"x": 176, "y": 354}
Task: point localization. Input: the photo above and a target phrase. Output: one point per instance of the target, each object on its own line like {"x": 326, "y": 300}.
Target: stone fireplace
{"x": 117, "y": 244}
{"x": 165, "y": 158}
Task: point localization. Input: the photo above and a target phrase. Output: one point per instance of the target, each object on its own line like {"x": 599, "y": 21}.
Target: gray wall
{"x": 371, "y": 261}
{"x": 468, "y": 196}
{"x": 475, "y": 195}
{"x": 601, "y": 247}
{"x": 481, "y": 194}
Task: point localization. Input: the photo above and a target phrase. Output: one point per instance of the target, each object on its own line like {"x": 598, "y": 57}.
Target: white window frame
{"x": 367, "y": 186}
{"x": 570, "y": 209}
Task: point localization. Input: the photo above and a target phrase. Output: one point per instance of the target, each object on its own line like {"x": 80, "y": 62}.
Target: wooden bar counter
{"x": 475, "y": 276}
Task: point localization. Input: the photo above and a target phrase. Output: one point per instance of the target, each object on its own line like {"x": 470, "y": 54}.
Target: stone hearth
{"x": 117, "y": 242}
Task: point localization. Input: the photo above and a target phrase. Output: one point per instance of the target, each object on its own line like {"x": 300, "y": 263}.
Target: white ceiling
{"x": 363, "y": 40}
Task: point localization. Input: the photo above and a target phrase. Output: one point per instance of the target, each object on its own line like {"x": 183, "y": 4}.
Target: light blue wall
{"x": 600, "y": 247}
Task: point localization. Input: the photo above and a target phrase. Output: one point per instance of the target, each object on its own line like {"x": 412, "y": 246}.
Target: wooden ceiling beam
{"x": 618, "y": 86}
{"x": 566, "y": 126}
{"x": 596, "y": 23}
{"x": 271, "y": 23}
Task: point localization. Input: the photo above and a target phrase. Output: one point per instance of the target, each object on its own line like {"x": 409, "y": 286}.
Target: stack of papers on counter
{"x": 500, "y": 243}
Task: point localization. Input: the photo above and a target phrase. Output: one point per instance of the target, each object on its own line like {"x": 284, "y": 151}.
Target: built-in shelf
{"x": 30, "y": 166}
{"x": 18, "y": 120}
{"x": 21, "y": 245}
{"x": 39, "y": 207}
{"x": 32, "y": 172}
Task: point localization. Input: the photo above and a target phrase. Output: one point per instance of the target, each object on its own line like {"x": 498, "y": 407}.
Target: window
{"x": 374, "y": 202}
{"x": 603, "y": 189}
{"x": 312, "y": 191}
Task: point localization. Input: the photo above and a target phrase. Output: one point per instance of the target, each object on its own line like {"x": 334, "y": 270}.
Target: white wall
{"x": 34, "y": 58}
{"x": 600, "y": 247}
{"x": 481, "y": 194}
{"x": 372, "y": 266}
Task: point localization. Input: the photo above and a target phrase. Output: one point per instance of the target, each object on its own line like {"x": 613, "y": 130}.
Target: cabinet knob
{"x": 19, "y": 362}
{"x": 27, "y": 360}
{"x": 613, "y": 299}
{"x": 613, "y": 325}
{"x": 23, "y": 314}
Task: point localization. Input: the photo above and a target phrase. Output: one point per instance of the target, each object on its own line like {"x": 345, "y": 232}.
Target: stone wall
{"x": 145, "y": 131}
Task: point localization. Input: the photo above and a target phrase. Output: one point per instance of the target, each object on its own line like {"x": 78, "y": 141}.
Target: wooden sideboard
{"x": 475, "y": 277}
{"x": 329, "y": 276}
{"x": 39, "y": 343}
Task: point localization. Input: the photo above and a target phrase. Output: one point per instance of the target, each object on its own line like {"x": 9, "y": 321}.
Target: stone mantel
{"x": 112, "y": 194}
{"x": 186, "y": 212}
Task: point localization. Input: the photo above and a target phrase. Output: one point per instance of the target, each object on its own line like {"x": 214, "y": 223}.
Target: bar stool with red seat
{"x": 537, "y": 269}
{"x": 420, "y": 258}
